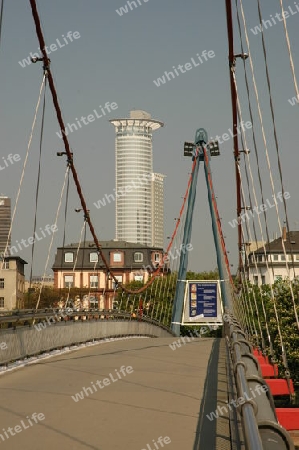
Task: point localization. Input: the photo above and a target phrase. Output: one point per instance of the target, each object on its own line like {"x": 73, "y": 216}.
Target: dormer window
{"x": 117, "y": 257}
{"x": 93, "y": 257}
{"x": 69, "y": 257}
{"x": 138, "y": 257}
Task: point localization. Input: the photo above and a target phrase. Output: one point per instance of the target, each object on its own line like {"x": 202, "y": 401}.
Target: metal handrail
{"x": 27, "y": 314}
{"x": 257, "y": 431}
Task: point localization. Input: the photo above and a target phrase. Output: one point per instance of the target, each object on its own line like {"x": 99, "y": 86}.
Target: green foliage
{"x": 283, "y": 307}
{"x": 50, "y": 296}
{"x": 157, "y": 300}
{"x": 210, "y": 275}
{"x": 203, "y": 331}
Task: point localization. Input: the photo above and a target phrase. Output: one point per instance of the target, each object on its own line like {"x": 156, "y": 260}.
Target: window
{"x": 282, "y": 257}
{"x": 275, "y": 257}
{"x": 119, "y": 280}
{"x": 1, "y": 283}
{"x": 256, "y": 279}
{"x": 297, "y": 257}
{"x": 263, "y": 279}
{"x": 116, "y": 257}
{"x": 69, "y": 281}
{"x": 94, "y": 281}
{"x": 138, "y": 257}
{"x": 4, "y": 265}
{"x": 138, "y": 278}
{"x": 157, "y": 257}
{"x": 1, "y": 302}
{"x": 69, "y": 257}
{"x": 93, "y": 257}
{"x": 260, "y": 258}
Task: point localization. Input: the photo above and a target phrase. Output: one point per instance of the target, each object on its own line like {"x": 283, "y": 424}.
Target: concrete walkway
{"x": 165, "y": 393}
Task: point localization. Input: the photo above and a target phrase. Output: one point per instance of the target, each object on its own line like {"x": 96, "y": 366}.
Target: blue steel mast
{"x": 199, "y": 151}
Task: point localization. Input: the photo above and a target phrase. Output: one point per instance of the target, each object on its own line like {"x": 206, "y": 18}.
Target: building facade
{"x": 12, "y": 283}
{"x": 40, "y": 280}
{"x": 134, "y": 167}
{"x": 128, "y": 261}
{"x": 275, "y": 265}
{"x": 158, "y": 209}
{"x": 5, "y": 222}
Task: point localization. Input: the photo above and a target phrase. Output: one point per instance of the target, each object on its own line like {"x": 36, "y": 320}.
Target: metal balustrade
{"x": 256, "y": 409}
{"x": 26, "y": 336}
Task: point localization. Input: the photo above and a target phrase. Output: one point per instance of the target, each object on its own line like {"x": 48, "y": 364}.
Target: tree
{"x": 207, "y": 275}
{"x": 50, "y": 296}
{"x": 286, "y": 329}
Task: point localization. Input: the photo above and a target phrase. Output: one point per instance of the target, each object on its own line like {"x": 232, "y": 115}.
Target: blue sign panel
{"x": 203, "y": 300}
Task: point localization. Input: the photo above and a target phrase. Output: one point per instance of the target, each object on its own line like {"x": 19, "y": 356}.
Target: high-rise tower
{"x": 157, "y": 210}
{"x": 134, "y": 167}
{"x": 5, "y": 221}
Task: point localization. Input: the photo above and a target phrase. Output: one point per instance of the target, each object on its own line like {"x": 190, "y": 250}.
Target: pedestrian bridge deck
{"x": 166, "y": 393}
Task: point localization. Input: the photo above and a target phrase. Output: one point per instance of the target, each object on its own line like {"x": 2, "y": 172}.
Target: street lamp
{"x": 189, "y": 148}
{"x": 201, "y": 138}
{"x": 213, "y": 146}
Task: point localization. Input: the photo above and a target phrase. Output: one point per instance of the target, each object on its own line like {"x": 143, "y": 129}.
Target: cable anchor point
{"x": 69, "y": 159}
{"x": 46, "y": 61}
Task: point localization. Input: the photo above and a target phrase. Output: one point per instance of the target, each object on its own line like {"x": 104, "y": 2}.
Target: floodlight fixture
{"x": 189, "y": 148}
{"x": 213, "y": 146}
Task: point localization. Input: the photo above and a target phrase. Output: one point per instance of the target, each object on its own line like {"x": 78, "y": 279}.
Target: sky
{"x": 116, "y": 58}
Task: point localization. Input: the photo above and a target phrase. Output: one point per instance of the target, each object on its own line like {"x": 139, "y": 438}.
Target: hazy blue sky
{"x": 116, "y": 59}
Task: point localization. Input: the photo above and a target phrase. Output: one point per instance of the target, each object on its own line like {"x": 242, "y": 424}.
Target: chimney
{"x": 284, "y": 233}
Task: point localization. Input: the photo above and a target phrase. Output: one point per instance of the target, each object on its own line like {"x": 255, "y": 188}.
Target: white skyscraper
{"x": 134, "y": 167}
{"x": 5, "y": 223}
{"x": 158, "y": 210}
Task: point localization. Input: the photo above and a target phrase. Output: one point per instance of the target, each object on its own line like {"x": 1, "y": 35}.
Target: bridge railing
{"x": 30, "y": 333}
{"x": 260, "y": 426}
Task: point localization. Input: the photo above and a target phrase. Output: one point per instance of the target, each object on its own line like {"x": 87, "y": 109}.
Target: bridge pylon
{"x": 200, "y": 150}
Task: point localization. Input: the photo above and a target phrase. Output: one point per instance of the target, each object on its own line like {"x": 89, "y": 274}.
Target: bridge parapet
{"x": 24, "y": 341}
